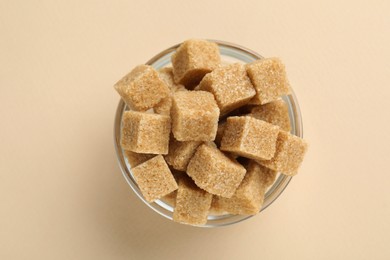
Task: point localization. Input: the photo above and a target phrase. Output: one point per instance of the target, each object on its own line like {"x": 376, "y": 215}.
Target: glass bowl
{"x": 229, "y": 53}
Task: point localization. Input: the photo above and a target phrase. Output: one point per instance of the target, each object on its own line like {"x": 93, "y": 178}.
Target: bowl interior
{"x": 230, "y": 53}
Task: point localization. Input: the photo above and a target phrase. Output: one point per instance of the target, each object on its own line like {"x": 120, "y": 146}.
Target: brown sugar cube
{"x": 145, "y": 133}
{"x": 215, "y": 172}
{"x": 135, "y": 159}
{"x": 154, "y": 178}
{"x": 192, "y": 203}
{"x": 250, "y": 137}
{"x": 230, "y": 86}
{"x": 268, "y": 76}
{"x": 290, "y": 150}
{"x": 194, "y": 59}
{"x": 180, "y": 153}
{"x": 194, "y": 116}
{"x": 142, "y": 88}
{"x": 275, "y": 112}
{"x": 249, "y": 196}
{"x": 220, "y": 131}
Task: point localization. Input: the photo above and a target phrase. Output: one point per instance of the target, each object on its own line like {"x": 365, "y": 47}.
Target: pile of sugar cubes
{"x": 208, "y": 137}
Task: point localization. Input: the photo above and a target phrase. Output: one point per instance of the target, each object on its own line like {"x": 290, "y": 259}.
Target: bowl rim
{"x": 282, "y": 181}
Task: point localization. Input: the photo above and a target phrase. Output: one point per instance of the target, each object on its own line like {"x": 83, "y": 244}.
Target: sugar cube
{"x": 250, "y": 137}
{"x": 192, "y": 203}
{"x": 154, "y": 178}
{"x": 194, "y": 59}
{"x": 145, "y": 133}
{"x": 194, "y": 116}
{"x": 268, "y": 76}
{"x": 290, "y": 151}
{"x": 142, "y": 88}
{"x": 230, "y": 86}
{"x": 249, "y": 196}
{"x": 215, "y": 172}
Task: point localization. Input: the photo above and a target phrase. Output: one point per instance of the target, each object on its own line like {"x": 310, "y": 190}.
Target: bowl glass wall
{"x": 230, "y": 53}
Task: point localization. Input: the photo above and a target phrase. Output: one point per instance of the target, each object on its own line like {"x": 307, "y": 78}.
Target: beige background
{"x": 62, "y": 195}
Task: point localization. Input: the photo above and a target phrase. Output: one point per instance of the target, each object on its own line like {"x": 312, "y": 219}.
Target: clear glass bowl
{"x": 229, "y": 53}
